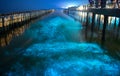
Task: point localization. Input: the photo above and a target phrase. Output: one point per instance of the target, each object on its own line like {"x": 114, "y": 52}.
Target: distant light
{"x": 80, "y": 8}
{"x": 69, "y": 5}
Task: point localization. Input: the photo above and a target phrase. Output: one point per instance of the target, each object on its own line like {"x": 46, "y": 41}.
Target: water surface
{"x": 55, "y": 46}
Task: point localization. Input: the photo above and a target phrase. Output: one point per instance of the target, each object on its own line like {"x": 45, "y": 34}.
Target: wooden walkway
{"x": 12, "y": 20}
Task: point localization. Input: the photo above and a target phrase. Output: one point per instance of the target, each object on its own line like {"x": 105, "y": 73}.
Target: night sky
{"x": 20, "y": 5}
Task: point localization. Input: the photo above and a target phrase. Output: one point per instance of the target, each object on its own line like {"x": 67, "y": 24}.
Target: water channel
{"x": 54, "y": 45}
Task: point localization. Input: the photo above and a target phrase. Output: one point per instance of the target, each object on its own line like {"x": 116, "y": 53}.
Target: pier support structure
{"x": 103, "y": 15}
{"x": 104, "y": 28}
{"x": 93, "y": 24}
{"x": 3, "y": 23}
{"x": 86, "y": 28}
{"x": 16, "y": 19}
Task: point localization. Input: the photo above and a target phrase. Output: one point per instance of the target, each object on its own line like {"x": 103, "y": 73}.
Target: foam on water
{"x": 59, "y": 57}
{"x": 62, "y": 59}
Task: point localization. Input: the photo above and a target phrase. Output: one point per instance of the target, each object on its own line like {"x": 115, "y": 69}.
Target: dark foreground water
{"x": 55, "y": 46}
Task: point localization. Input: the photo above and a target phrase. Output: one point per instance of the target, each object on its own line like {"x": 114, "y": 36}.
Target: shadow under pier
{"x": 100, "y": 26}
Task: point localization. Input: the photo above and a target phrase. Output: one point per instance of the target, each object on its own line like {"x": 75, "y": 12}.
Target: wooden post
{"x": 88, "y": 19}
{"x": 99, "y": 17}
{"x": 20, "y": 17}
{"x": 86, "y": 29}
{"x": 23, "y": 18}
{"x": 30, "y": 15}
{"x": 98, "y": 29}
{"x": 3, "y": 23}
{"x": 81, "y": 17}
{"x": 114, "y": 28}
{"x": 104, "y": 28}
{"x": 92, "y": 26}
{"x": 11, "y": 18}
{"x": 114, "y": 24}
{"x": 13, "y": 15}
{"x": 118, "y": 30}
{"x": 110, "y": 21}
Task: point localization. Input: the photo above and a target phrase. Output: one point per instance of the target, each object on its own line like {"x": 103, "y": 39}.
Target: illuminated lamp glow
{"x": 80, "y": 8}
{"x": 69, "y": 5}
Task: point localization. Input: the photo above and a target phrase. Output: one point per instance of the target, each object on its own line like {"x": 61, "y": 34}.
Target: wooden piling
{"x": 30, "y": 16}
{"x": 92, "y": 26}
{"x": 114, "y": 28}
{"x": 106, "y": 12}
{"x": 104, "y": 28}
{"x": 118, "y": 30}
{"x": 86, "y": 27}
{"x": 3, "y": 24}
{"x": 12, "y": 21}
{"x": 81, "y": 17}
{"x": 99, "y": 17}
{"x": 114, "y": 24}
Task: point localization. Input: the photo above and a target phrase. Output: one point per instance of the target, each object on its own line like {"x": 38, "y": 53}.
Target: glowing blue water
{"x": 63, "y": 52}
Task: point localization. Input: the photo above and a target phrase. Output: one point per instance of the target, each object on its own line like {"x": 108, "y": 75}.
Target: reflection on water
{"x": 66, "y": 58}
{"x": 56, "y": 47}
{"x": 6, "y": 38}
{"x": 112, "y": 35}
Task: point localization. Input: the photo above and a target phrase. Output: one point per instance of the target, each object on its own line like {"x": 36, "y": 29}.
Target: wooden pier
{"x": 105, "y": 13}
{"x": 12, "y": 20}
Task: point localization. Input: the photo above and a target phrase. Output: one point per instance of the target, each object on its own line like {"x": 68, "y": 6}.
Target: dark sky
{"x": 20, "y": 5}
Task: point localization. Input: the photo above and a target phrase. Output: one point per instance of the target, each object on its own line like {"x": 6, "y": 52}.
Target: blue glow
{"x": 67, "y": 58}
{"x": 60, "y": 56}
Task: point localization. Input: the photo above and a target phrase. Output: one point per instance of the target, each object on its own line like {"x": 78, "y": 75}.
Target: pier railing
{"x": 12, "y": 20}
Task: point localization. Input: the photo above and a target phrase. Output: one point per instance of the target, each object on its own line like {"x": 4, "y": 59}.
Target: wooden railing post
{"x": 3, "y": 23}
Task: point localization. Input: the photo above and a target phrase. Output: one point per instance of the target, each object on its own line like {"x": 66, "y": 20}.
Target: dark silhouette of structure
{"x": 91, "y": 2}
{"x": 118, "y": 1}
{"x": 96, "y": 3}
{"x": 103, "y": 3}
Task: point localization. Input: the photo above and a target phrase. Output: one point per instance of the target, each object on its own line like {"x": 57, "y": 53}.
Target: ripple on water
{"x": 58, "y": 57}
{"x": 62, "y": 59}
